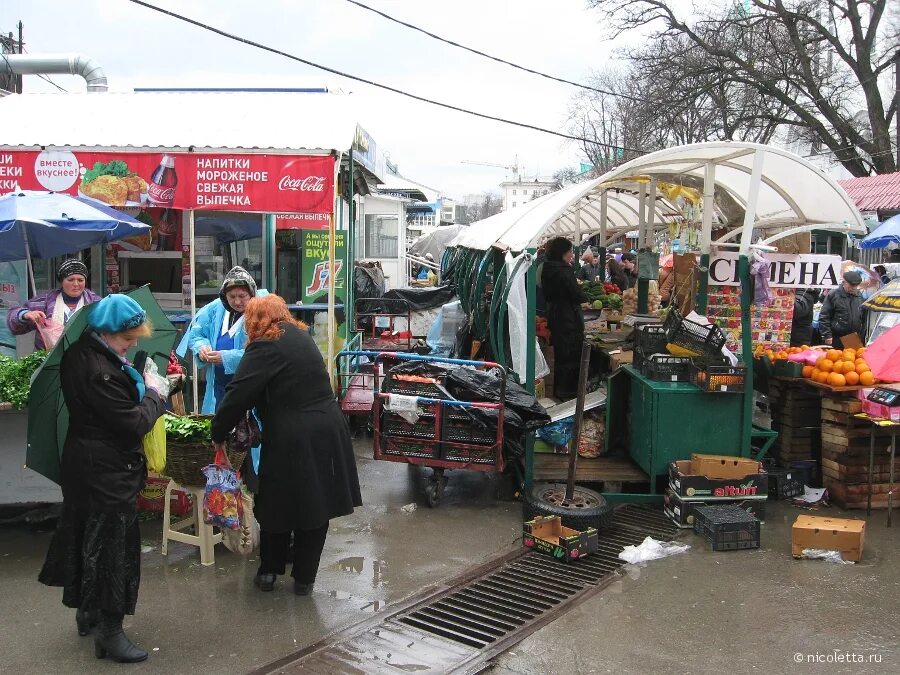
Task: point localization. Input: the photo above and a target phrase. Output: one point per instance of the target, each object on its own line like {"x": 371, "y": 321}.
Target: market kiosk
{"x": 747, "y": 193}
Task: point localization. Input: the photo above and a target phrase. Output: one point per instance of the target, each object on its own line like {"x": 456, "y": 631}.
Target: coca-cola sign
{"x": 308, "y": 184}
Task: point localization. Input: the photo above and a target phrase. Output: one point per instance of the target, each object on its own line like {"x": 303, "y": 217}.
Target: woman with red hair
{"x": 307, "y": 471}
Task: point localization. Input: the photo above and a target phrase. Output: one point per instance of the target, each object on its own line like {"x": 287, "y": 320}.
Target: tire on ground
{"x": 597, "y": 513}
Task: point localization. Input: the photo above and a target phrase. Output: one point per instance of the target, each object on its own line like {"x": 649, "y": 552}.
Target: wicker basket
{"x": 185, "y": 461}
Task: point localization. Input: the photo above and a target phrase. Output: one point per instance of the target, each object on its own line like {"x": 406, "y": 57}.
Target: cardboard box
{"x": 723, "y": 466}
{"x": 686, "y": 484}
{"x": 681, "y": 510}
{"x": 881, "y": 410}
{"x": 831, "y": 534}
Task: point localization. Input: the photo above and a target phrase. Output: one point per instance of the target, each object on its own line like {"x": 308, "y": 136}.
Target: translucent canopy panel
{"x": 793, "y": 194}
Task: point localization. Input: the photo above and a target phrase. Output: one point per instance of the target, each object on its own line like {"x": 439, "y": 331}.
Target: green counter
{"x": 661, "y": 422}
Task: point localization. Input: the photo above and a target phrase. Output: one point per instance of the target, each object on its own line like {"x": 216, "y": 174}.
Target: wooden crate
{"x": 856, "y": 496}
{"x": 857, "y": 473}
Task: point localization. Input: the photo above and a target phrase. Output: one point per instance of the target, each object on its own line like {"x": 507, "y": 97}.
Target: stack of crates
{"x": 726, "y": 527}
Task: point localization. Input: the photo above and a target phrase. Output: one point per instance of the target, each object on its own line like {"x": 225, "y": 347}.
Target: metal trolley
{"x": 442, "y": 432}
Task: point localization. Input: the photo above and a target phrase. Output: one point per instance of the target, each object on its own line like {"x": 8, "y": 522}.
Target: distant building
{"x": 518, "y": 192}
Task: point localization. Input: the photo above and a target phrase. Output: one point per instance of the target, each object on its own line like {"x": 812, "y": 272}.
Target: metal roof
{"x": 874, "y": 193}
{"x": 179, "y": 121}
{"x": 793, "y": 195}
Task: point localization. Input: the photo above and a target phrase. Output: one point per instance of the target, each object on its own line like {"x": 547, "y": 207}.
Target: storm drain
{"x": 458, "y": 629}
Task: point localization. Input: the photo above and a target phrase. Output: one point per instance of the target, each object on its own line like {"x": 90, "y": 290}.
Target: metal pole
{"x": 601, "y": 251}
{"x": 193, "y": 276}
{"x": 642, "y": 215}
{"x": 579, "y": 416}
{"x": 530, "y": 358}
{"x": 29, "y": 263}
{"x": 709, "y": 201}
{"x": 871, "y": 469}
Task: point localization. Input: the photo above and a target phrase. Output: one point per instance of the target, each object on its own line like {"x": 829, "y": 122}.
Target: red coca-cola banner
{"x": 284, "y": 184}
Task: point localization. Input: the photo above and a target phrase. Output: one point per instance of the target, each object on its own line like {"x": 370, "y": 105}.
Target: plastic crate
{"x": 720, "y": 379}
{"x": 665, "y": 368}
{"x": 727, "y": 527}
{"x": 785, "y": 483}
{"x": 394, "y": 425}
{"x": 693, "y": 336}
{"x": 651, "y": 339}
{"x": 465, "y": 431}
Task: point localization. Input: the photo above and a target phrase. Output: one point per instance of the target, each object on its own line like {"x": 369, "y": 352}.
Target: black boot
{"x": 111, "y": 641}
{"x": 86, "y": 620}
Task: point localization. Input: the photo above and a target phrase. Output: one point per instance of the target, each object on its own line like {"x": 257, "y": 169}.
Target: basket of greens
{"x": 189, "y": 449}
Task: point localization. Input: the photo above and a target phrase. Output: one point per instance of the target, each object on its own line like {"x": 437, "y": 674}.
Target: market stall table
{"x": 878, "y": 422}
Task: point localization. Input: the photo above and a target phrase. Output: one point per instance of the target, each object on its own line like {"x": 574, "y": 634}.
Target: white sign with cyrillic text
{"x": 785, "y": 271}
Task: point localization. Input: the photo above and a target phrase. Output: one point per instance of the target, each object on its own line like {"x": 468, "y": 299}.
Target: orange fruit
{"x": 849, "y": 354}
{"x": 859, "y": 360}
{"x": 837, "y": 380}
{"x": 803, "y": 348}
{"x": 861, "y": 351}
{"x": 866, "y": 378}
{"x": 808, "y": 371}
{"x": 863, "y": 368}
{"x": 852, "y": 378}
{"x": 834, "y": 354}
{"x": 825, "y": 365}
{"x": 823, "y": 377}
{"x": 849, "y": 367}
{"x": 814, "y": 376}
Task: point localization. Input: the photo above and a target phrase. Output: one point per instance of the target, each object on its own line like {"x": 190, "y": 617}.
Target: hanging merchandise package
{"x": 50, "y": 333}
{"x": 155, "y": 446}
{"x": 222, "y": 499}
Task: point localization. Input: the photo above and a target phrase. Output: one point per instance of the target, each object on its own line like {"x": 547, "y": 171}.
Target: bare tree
{"x": 813, "y": 63}
{"x": 479, "y": 207}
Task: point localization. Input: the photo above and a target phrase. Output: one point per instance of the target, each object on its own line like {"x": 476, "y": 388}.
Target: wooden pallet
{"x": 858, "y": 457}
{"x": 850, "y": 473}
{"x": 856, "y": 496}
{"x": 844, "y": 405}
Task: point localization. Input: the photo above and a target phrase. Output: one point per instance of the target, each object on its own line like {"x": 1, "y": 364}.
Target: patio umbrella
{"x": 883, "y": 356}
{"x": 884, "y": 235}
{"x": 48, "y": 417}
{"x": 36, "y": 224}
{"x": 885, "y": 299}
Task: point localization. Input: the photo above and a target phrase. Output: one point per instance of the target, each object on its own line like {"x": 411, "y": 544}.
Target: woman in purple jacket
{"x": 56, "y": 306}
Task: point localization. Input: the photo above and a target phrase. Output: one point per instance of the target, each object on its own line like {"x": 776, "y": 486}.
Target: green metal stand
{"x": 531, "y": 294}
{"x": 746, "y": 351}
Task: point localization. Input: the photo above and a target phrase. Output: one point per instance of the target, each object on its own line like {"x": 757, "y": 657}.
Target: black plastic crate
{"x": 394, "y": 425}
{"x": 466, "y": 431}
{"x": 727, "y": 527}
{"x": 785, "y": 483}
{"x": 720, "y": 379}
{"x": 666, "y": 368}
{"x": 696, "y": 337}
{"x": 651, "y": 339}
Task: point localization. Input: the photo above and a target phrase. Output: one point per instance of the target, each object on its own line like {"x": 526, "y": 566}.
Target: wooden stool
{"x": 204, "y": 537}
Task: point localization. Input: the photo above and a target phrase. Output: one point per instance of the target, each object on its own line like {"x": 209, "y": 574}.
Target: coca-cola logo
{"x": 307, "y": 184}
{"x": 160, "y": 194}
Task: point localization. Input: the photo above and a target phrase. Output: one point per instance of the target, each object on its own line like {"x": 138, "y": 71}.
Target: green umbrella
{"x": 48, "y": 417}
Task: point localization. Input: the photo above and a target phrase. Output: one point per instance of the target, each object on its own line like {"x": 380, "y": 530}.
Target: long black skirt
{"x": 96, "y": 559}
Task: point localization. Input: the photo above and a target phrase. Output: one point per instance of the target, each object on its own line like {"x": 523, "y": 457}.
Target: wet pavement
{"x": 211, "y": 619}
{"x": 736, "y": 611}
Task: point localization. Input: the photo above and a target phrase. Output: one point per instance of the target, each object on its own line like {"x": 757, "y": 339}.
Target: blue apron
{"x": 225, "y": 341}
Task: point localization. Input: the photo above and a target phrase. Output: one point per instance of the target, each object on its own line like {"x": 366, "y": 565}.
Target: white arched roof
{"x": 792, "y": 194}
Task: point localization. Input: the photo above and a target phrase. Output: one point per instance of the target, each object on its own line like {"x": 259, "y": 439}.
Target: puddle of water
{"x": 364, "y": 567}
{"x": 367, "y": 606}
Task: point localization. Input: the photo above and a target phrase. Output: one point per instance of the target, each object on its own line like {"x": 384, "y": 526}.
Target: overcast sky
{"x": 141, "y": 48}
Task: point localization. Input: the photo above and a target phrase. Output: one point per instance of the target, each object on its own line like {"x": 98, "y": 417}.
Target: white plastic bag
{"x": 651, "y": 549}
{"x": 516, "y": 310}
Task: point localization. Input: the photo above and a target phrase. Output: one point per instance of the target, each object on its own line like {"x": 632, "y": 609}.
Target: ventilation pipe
{"x": 50, "y": 64}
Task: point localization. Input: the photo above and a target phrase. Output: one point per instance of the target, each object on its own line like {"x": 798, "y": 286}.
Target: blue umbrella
{"x": 36, "y": 224}
{"x": 884, "y": 235}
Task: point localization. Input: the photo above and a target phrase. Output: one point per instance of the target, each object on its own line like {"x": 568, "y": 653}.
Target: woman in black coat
{"x": 95, "y": 552}
{"x": 564, "y": 317}
{"x": 307, "y": 472}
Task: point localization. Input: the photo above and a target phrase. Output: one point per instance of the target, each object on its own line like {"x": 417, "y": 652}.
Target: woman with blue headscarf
{"x": 95, "y": 552}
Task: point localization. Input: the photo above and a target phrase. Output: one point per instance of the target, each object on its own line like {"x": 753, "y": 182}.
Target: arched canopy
{"x": 791, "y": 194}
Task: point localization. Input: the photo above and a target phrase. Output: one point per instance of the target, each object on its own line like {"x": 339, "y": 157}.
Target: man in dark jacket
{"x": 564, "y": 298}
{"x": 629, "y": 264}
{"x": 801, "y": 326}
{"x": 842, "y": 310}
{"x": 590, "y": 269}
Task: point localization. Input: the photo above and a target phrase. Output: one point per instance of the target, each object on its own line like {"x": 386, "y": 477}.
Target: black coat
{"x": 564, "y": 297}
{"x": 103, "y": 463}
{"x": 307, "y": 472}
{"x": 801, "y": 325}
{"x": 842, "y": 314}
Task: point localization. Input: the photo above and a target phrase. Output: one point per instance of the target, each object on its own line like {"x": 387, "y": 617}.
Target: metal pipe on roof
{"x": 50, "y": 64}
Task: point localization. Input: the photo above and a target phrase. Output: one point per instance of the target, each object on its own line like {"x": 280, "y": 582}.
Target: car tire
{"x": 587, "y": 508}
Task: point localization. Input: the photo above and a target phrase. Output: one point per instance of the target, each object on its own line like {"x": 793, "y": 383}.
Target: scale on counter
{"x": 885, "y": 396}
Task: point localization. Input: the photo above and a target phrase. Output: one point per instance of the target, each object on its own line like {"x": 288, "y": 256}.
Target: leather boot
{"x": 85, "y": 620}
{"x": 111, "y": 641}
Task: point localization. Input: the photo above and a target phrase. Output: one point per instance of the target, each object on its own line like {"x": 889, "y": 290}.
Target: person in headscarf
{"x": 217, "y": 335}
{"x": 95, "y": 552}
{"x": 53, "y": 307}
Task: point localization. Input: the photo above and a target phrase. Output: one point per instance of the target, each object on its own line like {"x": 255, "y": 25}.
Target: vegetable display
{"x": 602, "y": 295}
{"x": 15, "y": 377}
{"x": 188, "y": 429}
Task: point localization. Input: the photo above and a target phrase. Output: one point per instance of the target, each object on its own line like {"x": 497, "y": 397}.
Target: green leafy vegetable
{"x": 114, "y": 168}
{"x": 188, "y": 428}
{"x": 15, "y": 377}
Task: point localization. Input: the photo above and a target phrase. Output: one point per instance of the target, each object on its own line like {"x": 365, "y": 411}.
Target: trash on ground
{"x": 812, "y": 495}
{"x": 651, "y": 549}
{"x": 409, "y": 508}
{"x": 824, "y": 554}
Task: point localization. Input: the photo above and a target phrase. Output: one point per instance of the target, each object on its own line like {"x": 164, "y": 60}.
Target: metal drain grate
{"x": 461, "y": 628}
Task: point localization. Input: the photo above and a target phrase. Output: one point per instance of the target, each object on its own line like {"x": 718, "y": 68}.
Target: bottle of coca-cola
{"x": 166, "y": 230}
{"x": 161, "y": 191}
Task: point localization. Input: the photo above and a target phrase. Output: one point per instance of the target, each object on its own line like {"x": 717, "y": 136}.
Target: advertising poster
{"x": 314, "y": 273}
{"x": 212, "y": 182}
{"x": 12, "y": 294}
{"x": 770, "y": 326}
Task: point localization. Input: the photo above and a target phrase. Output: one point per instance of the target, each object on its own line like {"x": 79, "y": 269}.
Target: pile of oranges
{"x": 778, "y": 355}
{"x": 841, "y": 368}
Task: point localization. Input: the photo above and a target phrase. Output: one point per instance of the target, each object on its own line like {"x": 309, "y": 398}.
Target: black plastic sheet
{"x": 467, "y": 384}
